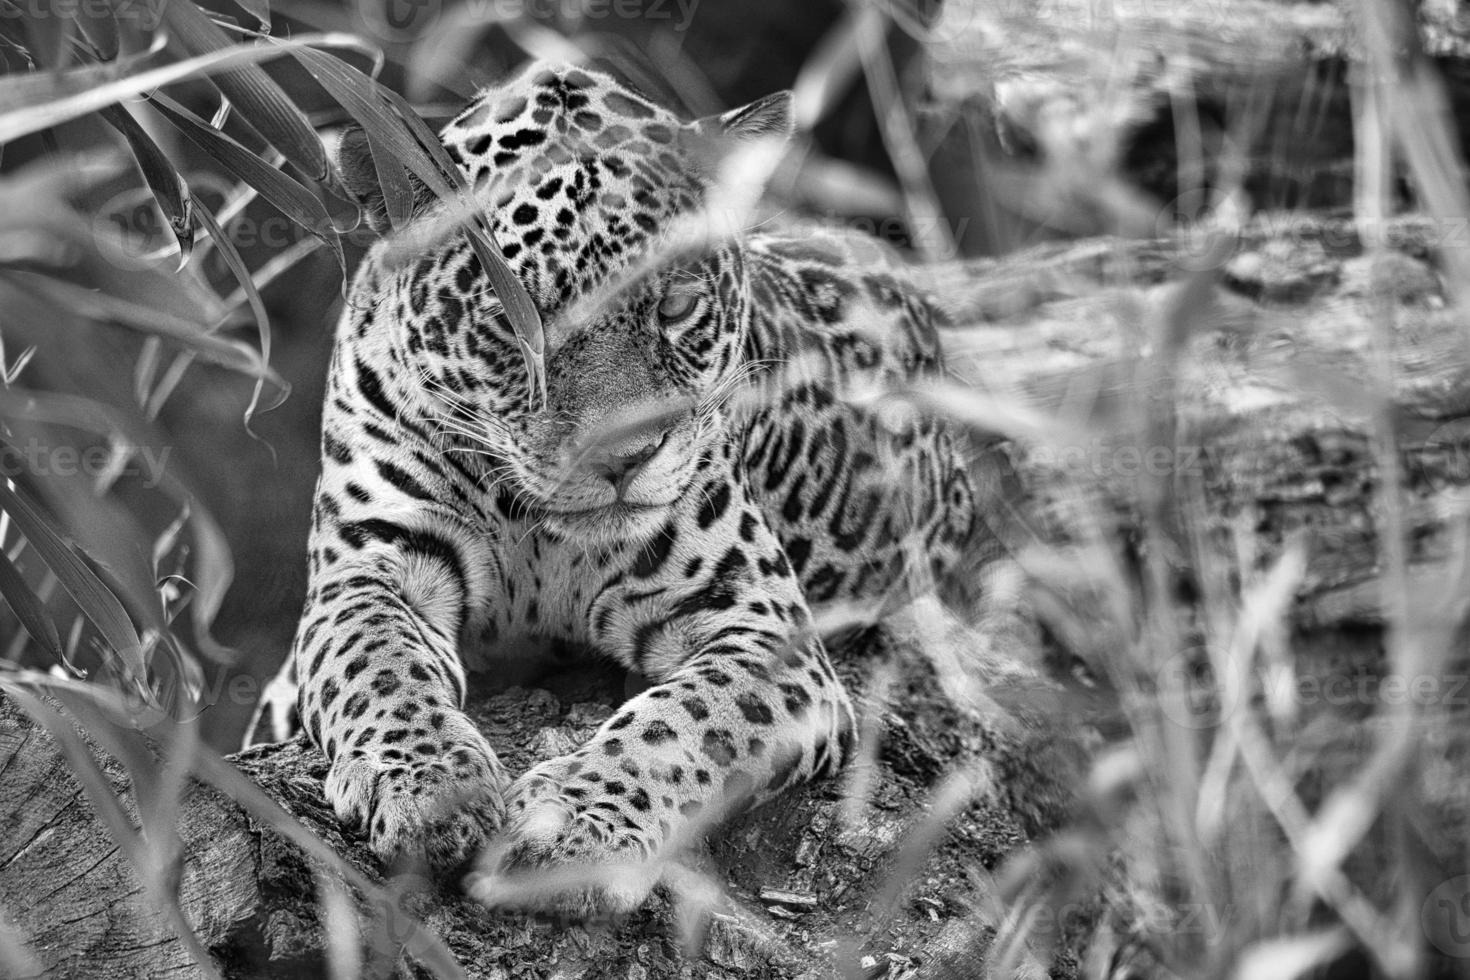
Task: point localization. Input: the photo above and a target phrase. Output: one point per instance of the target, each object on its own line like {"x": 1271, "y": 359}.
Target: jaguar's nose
{"x": 619, "y": 469}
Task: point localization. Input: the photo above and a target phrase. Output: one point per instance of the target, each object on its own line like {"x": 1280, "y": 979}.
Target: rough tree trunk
{"x": 1270, "y": 391}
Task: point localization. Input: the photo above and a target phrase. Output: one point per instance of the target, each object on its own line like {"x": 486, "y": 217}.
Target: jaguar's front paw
{"x": 434, "y": 796}
{"x": 577, "y": 843}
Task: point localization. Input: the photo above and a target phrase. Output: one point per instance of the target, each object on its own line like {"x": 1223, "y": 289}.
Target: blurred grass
{"x": 170, "y": 336}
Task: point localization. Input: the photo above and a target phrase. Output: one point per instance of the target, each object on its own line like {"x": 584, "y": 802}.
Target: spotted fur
{"x": 699, "y": 473}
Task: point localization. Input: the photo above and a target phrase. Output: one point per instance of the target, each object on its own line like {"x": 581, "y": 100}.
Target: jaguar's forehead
{"x": 578, "y": 173}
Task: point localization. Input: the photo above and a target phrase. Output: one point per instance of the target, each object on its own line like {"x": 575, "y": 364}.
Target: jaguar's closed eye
{"x": 677, "y": 305}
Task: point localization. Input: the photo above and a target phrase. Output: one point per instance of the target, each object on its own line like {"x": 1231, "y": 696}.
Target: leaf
{"x": 522, "y": 313}
{"x": 213, "y": 566}
{"x": 366, "y": 101}
{"x": 34, "y": 101}
{"x": 93, "y": 598}
{"x": 397, "y": 189}
{"x": 260, "y": 10}
{"x": 99, "y": 26}
{"x": 138, "y": 316}
{"x": 399, "y": 130}
{"x": 241, "y": 271}
{"x": 289, "y": 197}
{"x": 169, "y": 188}
{"x": 252, "y": 92}
{"x": 31, "y": 611}
{"x": 46, "y": 36}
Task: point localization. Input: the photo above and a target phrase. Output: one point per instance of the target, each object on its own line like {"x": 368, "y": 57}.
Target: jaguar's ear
{"x": 353, "y": 157}
{"x": 767, "y": 117}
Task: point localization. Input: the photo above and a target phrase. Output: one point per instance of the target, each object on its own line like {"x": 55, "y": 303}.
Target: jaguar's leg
{"x": 745, "y": 705}
{"x": 275, "y": 717}
{"x": 381, "y": 694}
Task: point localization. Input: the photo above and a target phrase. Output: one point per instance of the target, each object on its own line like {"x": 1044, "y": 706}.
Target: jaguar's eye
{"x": 677, "y": 305}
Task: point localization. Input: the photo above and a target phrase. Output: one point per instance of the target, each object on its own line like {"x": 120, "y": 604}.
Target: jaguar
{"x": 706, "y": 457}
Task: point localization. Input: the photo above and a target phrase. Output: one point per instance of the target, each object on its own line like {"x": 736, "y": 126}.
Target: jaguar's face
{"x": 635, "y": 394}
{"x": 591, "y": 193}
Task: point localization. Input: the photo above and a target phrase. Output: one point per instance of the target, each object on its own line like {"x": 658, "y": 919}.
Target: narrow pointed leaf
{"x": 213, "y": 566}
{"x": 241, "y": 272}
{"x": 397, "y": 189}
{"x": 365, "y": 100}
{"x": 33, "y": 101}
{"x": 522, "y": 313}
{"x": 93, "y": 598}
{"x": 30, "y": 610}
{"x": 139, "y": 316}
{"x": 260, "y": 10}
{"x": 99, "y": 26}
{"x": 169, "y": 188}
{"x": 46, "y": 36}
{"x": 399, "y": 130}
{"x": 253, "y": 93}
{"x": 289, "y": 197}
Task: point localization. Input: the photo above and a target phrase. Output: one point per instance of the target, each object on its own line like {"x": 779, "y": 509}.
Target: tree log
{"x": 811, "y": 883}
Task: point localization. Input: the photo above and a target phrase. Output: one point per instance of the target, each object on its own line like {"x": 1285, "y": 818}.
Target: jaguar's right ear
{"x": 353, "y": 157}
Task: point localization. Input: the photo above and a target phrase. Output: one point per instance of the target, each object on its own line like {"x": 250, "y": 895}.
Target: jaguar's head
{"x": 599, "y": 201}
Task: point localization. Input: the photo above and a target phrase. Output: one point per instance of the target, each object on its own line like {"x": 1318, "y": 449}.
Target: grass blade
{"x": 35, "y": 101}
{"x": 241, "y": 272}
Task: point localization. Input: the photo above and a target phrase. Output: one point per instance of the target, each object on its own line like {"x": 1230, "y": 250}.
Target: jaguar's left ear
{"x": 767, "y": 117}
{"x": 360, "y": 175}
